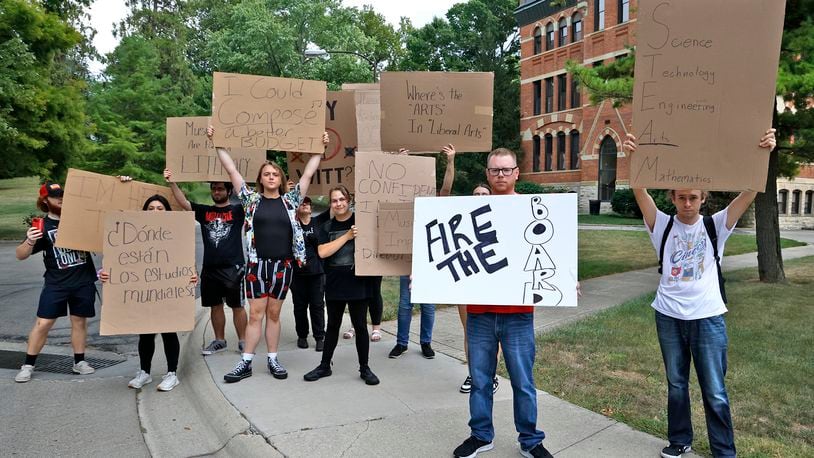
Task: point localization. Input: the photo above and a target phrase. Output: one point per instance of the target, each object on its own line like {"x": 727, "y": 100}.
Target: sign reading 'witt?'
{"x": 192, "y": 157}
{"x": 267, "y": 113}
{"x": 496, "y": 250}
{"x": 150, "y": 257}
{"x": 703, "y": 96}
{"x": 423, "y": 111}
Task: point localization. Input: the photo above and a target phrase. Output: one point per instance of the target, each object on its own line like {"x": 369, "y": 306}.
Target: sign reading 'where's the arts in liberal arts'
{"x": 496, "y": 250}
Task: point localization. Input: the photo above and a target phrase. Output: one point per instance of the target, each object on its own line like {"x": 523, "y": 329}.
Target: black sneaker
{"x": 427, "y": 351}
{"x": 241, "y": 371}
{"x": 495, "y": 385}
{"x": 368, "y": 376}
{"x": 675, "y": 451}
{"x": 318, "y": 373}
{"x": 320, "y": 344}
{"x": 538, "y": 451}
{"x": 471, "y": 447}
{"x": 397, "y": 351}
{"x": 466, "y": 386}
{"x": 302, "y": 342}
{"x": 277, "y": 369}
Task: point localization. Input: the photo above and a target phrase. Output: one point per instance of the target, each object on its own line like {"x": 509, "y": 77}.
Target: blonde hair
{"x": 501, "y": 152}
{"x": 283, "y": 179}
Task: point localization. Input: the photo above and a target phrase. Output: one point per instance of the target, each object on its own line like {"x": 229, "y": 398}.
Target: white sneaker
{"x": 142, "y": 378}
{"x": 83, "y": 368}
{"x": 169, "y": 382}
{"x": 25, "y": 373}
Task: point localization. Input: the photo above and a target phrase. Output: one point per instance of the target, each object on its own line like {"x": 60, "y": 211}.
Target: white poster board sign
{"x": 496, "y": 250}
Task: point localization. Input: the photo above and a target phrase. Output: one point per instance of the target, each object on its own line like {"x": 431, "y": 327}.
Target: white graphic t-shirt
{"x": 688, "y": 289}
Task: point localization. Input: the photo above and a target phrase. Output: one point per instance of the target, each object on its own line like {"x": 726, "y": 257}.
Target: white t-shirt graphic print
{"x": 688, "y": 288}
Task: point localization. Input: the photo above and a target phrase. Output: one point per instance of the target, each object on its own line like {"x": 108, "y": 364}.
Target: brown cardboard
{"x": 368, "y": 116}
{"x": 395, "y": 227}
{"x": 386, "y": 178}
{"x": 337, "y": 166}
{"x": 192, "y": 157}
{"x": 703, "y": 95}
{"x": 268, "y": 113}
{"x": 150, "y": 257}
{"x": 424, "y": 111}
{"x": 88, "y": 196}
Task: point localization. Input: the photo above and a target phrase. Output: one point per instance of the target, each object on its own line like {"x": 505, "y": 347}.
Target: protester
{"x": 69, "y": 284}
{"x": 308, "y": 286}
{"x": 223, "y": 264}
{"x": 342, "y": 286}
{"x": 689, "y": 306}
{"x": 146, "y": 342}
{"x": 274, "y": 242}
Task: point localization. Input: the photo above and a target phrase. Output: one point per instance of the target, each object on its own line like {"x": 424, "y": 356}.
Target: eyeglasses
{"x": 506, "y": 171}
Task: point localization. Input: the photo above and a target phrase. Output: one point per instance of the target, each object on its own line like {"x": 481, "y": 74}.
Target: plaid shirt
{"x": 292, "y": 199}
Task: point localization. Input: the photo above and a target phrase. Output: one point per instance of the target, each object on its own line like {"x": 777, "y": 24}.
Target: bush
{"x": 624, "y": 203}
{"x": 528, "y": 187}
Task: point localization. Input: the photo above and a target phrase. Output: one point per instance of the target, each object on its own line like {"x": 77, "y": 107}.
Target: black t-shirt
{"x": 341, "y": 282}
{"x": 221, "y": 231}
{"x": 63, "y": 267}
{"x": 272, "y": 230}
{"x": 313, "y": 264}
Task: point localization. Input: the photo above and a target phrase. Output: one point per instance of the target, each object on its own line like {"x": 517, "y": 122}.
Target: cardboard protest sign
{"x": 192, "y": 157}
{"x": 496, "y": 250}
{"x": 88, "y": 196}
{"x": 423, "y": 111}
{"x": 150, "y": 257}
{"x": 703, "y": 96}
{"x": 337, "y": 165}
{"x": 386, "y": 178}
{"x": 267, "y": 113}
{"x": 395, "y": 226}
{"x": 368, "y": 116}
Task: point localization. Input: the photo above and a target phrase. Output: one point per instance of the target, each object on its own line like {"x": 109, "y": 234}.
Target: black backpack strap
{"x": 712, "y": 233}
{"x": 664, "y": 240}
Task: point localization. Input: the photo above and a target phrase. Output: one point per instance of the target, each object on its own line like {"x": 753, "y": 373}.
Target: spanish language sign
{"x": 88, "y": 196}
{"x": 386, "y": 178}
{"x": 192, "y": 157}
{"x": 150, "y": 257}
{"x": 423, "y": 111}
{"x": 267, "y": 113}
{"x": 496, "y": 250}
{"x": 337, "y": 166}
{"x": 704, "y": 93}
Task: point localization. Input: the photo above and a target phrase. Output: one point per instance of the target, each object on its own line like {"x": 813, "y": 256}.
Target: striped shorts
{"x": 269, "y": 278}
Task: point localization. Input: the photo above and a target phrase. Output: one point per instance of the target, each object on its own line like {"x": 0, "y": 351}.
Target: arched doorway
{"x": 607, "y": 168}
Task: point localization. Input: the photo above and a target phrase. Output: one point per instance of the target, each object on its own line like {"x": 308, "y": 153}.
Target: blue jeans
{"x": 406, "y": 315}
{"x": 704, "y": 342}
{"x": 515, "y": 333}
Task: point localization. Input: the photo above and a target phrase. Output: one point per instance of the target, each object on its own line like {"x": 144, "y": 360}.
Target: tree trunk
{"x": 767, "y": 228}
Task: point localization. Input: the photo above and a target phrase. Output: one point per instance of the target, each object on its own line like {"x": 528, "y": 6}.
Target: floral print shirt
{"x": 292, "y": 199}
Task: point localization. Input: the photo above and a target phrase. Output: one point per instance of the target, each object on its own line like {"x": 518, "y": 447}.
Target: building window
{"x": 562, "y": 86}
{"x": 561, "y": 151}
{"x": 576, "y": 26}
{"x": 576, "y": 98}
{"x": 599, "y": 15}
{"x": 538, "y": 90}
{"x": 549, "y": 95}
{"x": 574, "y": 150}
{"x": 549, "y": 36}
{"x": 535, "y": 154}
{"x": 782, "y": 201}
{"x": 807, "y": 208}
{"x": 563, "y": 32}
{"x": 624, "y": 11}
{"x": 549, "y": 140}
{"x": 538, "y": 40}
{"x": 795, "y": 202}
{"x": 607, "y": 168}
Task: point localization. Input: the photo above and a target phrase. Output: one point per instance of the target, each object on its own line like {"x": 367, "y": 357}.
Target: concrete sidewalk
{"x": 417, "y": 409}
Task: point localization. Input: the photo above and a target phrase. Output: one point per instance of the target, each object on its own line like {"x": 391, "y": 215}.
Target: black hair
{"x": 227, "y": 184}
{"x": 159, "y": 198}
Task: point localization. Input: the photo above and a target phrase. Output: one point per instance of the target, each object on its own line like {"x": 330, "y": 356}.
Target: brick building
{"x": 795, "y": 199}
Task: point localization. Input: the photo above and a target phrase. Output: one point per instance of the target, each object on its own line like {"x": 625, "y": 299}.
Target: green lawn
{"x": 18, "y": 199}
{"x": 609, "y": 219}
{"x": 611, "y": 364}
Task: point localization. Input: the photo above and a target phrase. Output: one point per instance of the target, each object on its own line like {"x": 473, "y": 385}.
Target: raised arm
{"x": 176, "y": 191}
{"x": 311, "y": 166}
{"x": 739, "y": 204}
{"x": 449, "y": 174}
{"x": 326, "y": 250}
{"x": 646, "y": 203}
{"x": 226, "y": 160}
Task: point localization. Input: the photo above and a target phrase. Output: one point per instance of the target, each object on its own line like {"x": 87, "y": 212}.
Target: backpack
{"x": 712, "y": 234}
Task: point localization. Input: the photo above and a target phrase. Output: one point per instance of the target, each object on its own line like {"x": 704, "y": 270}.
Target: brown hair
{"x": 283, "y": 179}
{"x": 42, "y": 204}
{"x": 341, "y": 189}
{"x": 704, "y": 194}
{"x": 484, "y": 186}
{"x": 501, "y": 152}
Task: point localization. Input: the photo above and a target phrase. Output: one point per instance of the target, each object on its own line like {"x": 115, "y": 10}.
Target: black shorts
{"x": 222, "y": 284}
{"x": 55, "y": 301}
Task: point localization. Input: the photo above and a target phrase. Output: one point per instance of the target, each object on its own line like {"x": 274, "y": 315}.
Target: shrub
{"x": 528, "y": 187}
{"x": 624, "y": 203}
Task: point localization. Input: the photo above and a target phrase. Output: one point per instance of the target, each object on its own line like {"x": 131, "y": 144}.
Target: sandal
{"x": 376, "y": 335}
{"x": 349, "y": 334}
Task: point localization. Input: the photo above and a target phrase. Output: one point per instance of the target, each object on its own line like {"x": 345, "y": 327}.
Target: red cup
{"x": 38, "y": 223}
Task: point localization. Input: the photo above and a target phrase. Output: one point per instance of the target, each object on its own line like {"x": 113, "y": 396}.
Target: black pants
{"x": 146, "y": 349}
{"x": 308, "y": 293}
{"x": 376, "y": 303}
{"x": 358, "y": 316}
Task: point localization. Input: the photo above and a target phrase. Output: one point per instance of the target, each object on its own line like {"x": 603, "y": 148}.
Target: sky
{"x": 104, "y": 13}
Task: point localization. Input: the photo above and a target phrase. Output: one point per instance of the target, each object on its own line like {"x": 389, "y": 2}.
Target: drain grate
{"x": 57, "y": 364}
